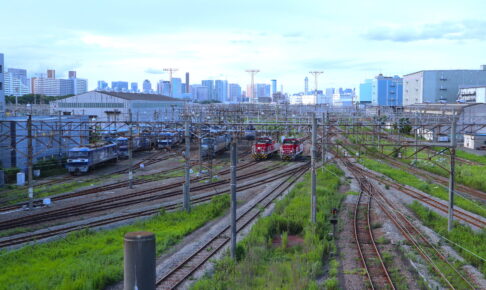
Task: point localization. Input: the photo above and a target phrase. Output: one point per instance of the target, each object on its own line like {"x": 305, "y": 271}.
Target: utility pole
{"x": 60, "y": 138}
{"x": 30, "y": 161}
{"x": 130, "y": 150}
{"x": 170, "y": 70}
{"x": 233, "y": 197}
{"x": 324, "y": 137}
{"x": 313, "y": 168}
{"x": 186, "y": 188}
{"x": 452, "y": 173}
{"x": 253, "y": 72}
{"x": 316, "y": 75}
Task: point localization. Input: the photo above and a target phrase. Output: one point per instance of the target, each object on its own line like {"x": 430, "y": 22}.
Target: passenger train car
{"x": 82, "y": 159}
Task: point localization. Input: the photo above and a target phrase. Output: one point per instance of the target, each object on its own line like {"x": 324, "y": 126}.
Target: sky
{"x": 349, "y": 40}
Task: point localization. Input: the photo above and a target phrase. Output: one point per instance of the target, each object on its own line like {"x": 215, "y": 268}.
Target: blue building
{"x": 234, "y": 93}
{"x": 163, "y": 88}
{"x": 2, "y": 92}
{"x": 102, "y": 85}
{"x": 176, "y": 88}
{"x": 365, "y": 92}
{"x": 119, "y": 86}
{"x": 134, "y": 87}
{"x": 210, "y": 85}
{"x": 221, "y": 90}
{"x": 387, "y": 91}
{"x": 274, "y": 86}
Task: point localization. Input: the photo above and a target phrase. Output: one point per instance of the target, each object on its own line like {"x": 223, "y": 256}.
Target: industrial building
{"x": 472, "y": 94}
{"x": 115, "y": 106}
{"x": 439, "y": 86}
{"x": 2, "y": 92}
{"x": 52, "y": 137}
{"x": 475, "y": 141}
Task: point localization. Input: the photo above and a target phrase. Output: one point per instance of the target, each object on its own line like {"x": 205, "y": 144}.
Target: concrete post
{"x": 139, "y": 271}
{"x": 187, "y": 174}
{"x": 30, "y": 157}
{"x": 130, "y": 150}
{"x": 233, "y": 197}
{"x": 452, "y": 174}
{"x": 313, "y": 173}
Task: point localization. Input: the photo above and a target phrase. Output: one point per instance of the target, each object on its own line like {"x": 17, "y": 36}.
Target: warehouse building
{"x": 52, "y": 137}
{"x": 115, "y": 106}
{"x": 439, "y": 86}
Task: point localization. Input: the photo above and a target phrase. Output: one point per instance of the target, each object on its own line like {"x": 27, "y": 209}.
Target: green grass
{"x": 471, "y": 156}
{"x": 93, "y": 260}
{"x": 159, "y": 176}
{"x": 411, "y": 180}
{"x": 460, "y": 234}
{"x": 261, "y": 265}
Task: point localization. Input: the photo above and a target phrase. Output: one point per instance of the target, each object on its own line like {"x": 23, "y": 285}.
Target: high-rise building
{"x": 439, "y": 86}
{"x": 365, "y": 92}
{"x": 51, "y": 74}
{"x": 274, "y": 87}
{"x": 58, "y": 87}
{"x": 387, "y": 91}
{"x": 147, "y": 86}
{"x": 163, "y": 88}
{"x": 221, "y": 90}
{"x": 134, "y": 87}
{"x": 210, "y": 85}
{"x": 187, "y": 83}
{"x": 119, "y": 86}
{"x": 306, "y": 86}
{"x": 72, "y": 74}
{"x": 176, "y": 88}
{"x": 234, "y": 93}
{"x": 2, "y": 92}
{"x": 102, "y": 85}
{"x": 16, "y": 82}
{"x": 200, "y": 93}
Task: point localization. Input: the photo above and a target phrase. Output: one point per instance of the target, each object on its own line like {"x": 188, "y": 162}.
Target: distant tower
{"x": 51, "y": 74}
{"x": 187, "y": 82}
{"x": 72, "y": 74}
{"x": 306, "y": 85}
{"x": 147, "y": 86}
{"x": 274, "y": 86}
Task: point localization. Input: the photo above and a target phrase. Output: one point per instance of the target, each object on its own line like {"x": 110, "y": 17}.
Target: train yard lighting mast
{"x": 170, "y": 70}
{"x": 316, "y": 75}
{"x": 252, "y": 73}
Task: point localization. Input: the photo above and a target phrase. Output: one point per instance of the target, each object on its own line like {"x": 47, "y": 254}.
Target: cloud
{"x": 154, "y": 71}
{"x": 293, "y": 35}
{"x": 340, "y": 64}
{"x": 460, "y": 30}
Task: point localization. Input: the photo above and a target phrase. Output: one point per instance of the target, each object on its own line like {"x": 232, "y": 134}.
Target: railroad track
{"x": 194, "y": 200}
{"x": 413, "y": 235}
{"x": 103, "y": 188}
{"x": 371, "y": 259}
{"x": 127, "y": 199}
{"x": 176, "y": 276}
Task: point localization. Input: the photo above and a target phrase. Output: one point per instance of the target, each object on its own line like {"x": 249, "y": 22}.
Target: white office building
{"x": 474, "y": 94}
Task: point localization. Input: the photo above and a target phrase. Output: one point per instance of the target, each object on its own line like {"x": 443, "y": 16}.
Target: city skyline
{"x": 350, "y": 41}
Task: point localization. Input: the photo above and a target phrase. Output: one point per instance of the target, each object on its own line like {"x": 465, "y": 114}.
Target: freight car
{"x": 82, "y": 159}
{"x": 291, "y": 149}
{"x": 210, "y": 146}
{"x": 264, "y": 148}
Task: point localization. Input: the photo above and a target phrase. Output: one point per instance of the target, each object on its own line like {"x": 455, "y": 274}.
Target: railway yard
{"x": 256, "y": 198}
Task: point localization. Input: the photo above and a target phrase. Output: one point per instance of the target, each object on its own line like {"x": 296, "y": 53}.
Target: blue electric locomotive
{"x": 166, "y": 140}
{"x": 210, "y": 146}
{"x": 82, "y": 159}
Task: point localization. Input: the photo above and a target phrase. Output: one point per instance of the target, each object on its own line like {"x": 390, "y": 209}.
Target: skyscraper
{"x": 51, "y": 74}
{"x": 163, "y": 88}
{"x": 306, "y": 86}
{"x": 365, "y": 91}
{"x": 102, "y": 85}
{"x": 234, "y": 93}
{"x": 147, "y": 86}
{"x": 16, "y": 82}
{"x": 134, "y": 87}
{"x": 221, "y": 90}
{"x": 274, "y": 86}
{"x": 187, "y": 83}
{"x": 176, "y": 87}
{"x": 210, "y": 85}
{"x": 200, "y": 93}
{"x": 72, "y": 74}
{"x": 119, "y": 86}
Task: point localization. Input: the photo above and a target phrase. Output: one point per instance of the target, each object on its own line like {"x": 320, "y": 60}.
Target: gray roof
{"x": 140, "y": 97}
